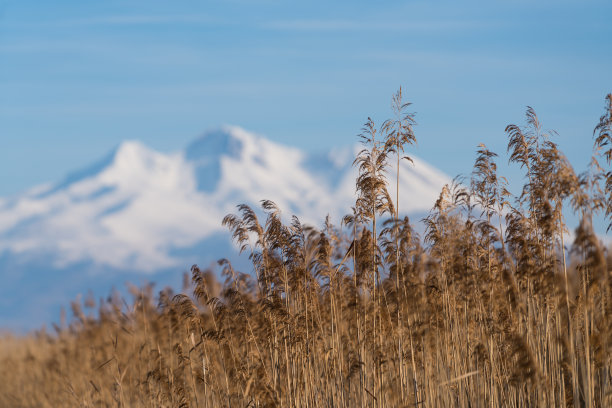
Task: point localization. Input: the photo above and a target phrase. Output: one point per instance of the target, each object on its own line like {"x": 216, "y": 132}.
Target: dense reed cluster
{"x": 491, "y": 307}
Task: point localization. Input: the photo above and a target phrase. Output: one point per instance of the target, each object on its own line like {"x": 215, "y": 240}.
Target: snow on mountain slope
{"x": 131, "y": 210}
{"x": 124, "y": 216}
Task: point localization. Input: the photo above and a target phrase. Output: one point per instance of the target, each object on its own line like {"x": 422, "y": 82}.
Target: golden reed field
{"x": 490, "y": 307}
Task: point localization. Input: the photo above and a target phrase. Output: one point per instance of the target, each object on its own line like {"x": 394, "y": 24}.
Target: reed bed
{"x": 491, "y": 307}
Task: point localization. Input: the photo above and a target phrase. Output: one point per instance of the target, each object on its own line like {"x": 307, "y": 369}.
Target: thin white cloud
{"x": 126, "y": 20}
{"x": 317, "y": 25}
{"x": 284, "y": 24}
{"x": 144, "y": 20}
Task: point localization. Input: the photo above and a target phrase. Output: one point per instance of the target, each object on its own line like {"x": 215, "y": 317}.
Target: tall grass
{"x": 490, "y": 308}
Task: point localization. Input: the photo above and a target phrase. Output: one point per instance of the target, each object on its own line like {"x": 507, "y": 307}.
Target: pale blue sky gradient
{"x": 77, "y": 77}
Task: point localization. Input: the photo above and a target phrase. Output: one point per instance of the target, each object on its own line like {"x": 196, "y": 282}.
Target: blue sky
{"x": 77, "y": 77}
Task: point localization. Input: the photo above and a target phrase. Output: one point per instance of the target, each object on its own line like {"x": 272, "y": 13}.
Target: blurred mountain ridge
{"x": 142, "y": 214}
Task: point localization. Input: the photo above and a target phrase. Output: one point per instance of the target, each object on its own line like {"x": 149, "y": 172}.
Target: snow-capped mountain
{"x": 141, "y": 211}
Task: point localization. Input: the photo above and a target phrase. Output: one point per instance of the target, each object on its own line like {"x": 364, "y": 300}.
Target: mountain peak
{"x": 207, "y": 153}
{"x": 130, "y": 148}
{"x": 133, "y": 154}
{"x": 224, "y": 141}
